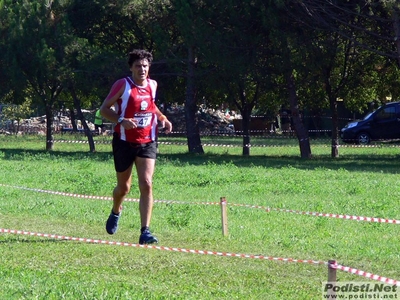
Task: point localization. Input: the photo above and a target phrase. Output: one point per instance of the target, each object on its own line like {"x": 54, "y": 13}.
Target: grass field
{"x": 361, "y": 182}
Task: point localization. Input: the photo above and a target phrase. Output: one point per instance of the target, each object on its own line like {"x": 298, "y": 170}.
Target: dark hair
{"x": 139, "y": 54}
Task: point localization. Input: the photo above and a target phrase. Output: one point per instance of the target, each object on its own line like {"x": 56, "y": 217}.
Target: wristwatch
{"x": 120, "y": 119}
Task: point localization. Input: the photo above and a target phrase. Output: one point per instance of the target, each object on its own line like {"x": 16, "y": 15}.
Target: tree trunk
{"x": 396, "y": 25}
{"x": 73, "y": 119}
{"x": 88, "y": 133}
{"x": 192, "y": 125}
{"x": 333, "y": 106}
{"x": 246, "y": 117}
{"x": 245, "y": 107}
{"x": 49, "y": 130}
{"x": 301, "y": 132}
{"x": 335, "y": 126}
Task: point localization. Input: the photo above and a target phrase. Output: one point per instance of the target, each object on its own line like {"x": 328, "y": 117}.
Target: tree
{"x": 288, "y": 39}
{"x": 373, "y": 26}
{"x": 289, "y": 74}
{"x": 88, "y": 81}
{"x": 237, "y": 48}
{"x": 12, "y": 85}
{"x": 106, "y": 32}
{"x": 347, "y": 71}
{"x": 38, "y": 35}
{"x": 178, "y": 36}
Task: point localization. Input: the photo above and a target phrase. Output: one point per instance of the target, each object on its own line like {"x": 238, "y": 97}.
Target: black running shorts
{"x": 125, "y": 152}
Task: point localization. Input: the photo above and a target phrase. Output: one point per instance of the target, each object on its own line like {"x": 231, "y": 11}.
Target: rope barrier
{"x": 268, "y": 209}
{"x": 174, "y": 249}
{"x": 236, "y": 146}
{"x": 365, "y": 274}
{"x": 339, "y": 216}
{"x": 264, "y": 133}
{"x": 206, "y": 252}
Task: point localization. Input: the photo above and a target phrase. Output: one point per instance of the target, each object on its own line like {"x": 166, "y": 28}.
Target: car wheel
{"x": 363, "y": 138}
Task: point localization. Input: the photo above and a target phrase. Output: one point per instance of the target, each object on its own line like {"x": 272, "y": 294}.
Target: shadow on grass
{"x": 21, "y": 154}
{"x": 377, "y": 163}
{"x": 366, "y": 162}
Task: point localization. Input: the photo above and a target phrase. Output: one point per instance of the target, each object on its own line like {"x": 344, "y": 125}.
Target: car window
{"x": 367, "y": 116}
{"x": 386, "y": 113}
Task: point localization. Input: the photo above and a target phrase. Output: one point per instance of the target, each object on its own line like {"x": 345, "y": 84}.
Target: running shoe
{"x": 112, "y": 223}
{"x": 147, "y": 238}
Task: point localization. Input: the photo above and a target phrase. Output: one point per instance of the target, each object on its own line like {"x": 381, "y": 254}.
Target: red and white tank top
{"x": 138, "y": 102}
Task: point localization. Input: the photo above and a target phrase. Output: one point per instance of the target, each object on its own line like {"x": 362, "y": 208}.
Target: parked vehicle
{"x": 382, "y": 124}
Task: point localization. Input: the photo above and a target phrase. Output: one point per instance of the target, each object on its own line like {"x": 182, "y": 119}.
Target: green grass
{"x": 361, "y": 182}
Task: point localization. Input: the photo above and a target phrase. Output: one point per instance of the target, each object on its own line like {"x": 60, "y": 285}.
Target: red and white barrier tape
{"x": 205, "y": 252}
{"x": 338, "y": 216}
{"x": 268, "y": 209}
{"x": 365, "y": 274}
{"x": 317, "y": 214}
{"x": 175, "y": 249}
{"x": 235, "y": 146}
{"x": 103, "y": 197}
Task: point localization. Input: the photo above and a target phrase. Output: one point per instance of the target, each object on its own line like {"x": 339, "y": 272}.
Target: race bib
{"x": 143, "y": 121}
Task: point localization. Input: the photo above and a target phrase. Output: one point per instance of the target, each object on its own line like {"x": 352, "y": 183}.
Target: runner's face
{"x": 140, "y": 71}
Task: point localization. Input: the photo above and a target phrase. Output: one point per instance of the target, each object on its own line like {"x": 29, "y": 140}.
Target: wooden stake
{"x": 331, "y": 278}
{"x": 224, "y": 217}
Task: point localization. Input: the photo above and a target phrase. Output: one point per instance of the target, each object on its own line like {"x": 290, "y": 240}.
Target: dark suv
{"x": 382, "y": 124}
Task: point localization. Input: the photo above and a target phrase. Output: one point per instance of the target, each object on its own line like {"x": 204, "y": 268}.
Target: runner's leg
{"x": 145, "y": 170}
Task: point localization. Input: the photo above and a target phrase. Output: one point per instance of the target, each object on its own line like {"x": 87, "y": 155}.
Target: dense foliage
{"x": 254, "y": 56}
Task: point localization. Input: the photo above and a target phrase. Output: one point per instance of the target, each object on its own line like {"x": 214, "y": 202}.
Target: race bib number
{"x": 143, "y": 121}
